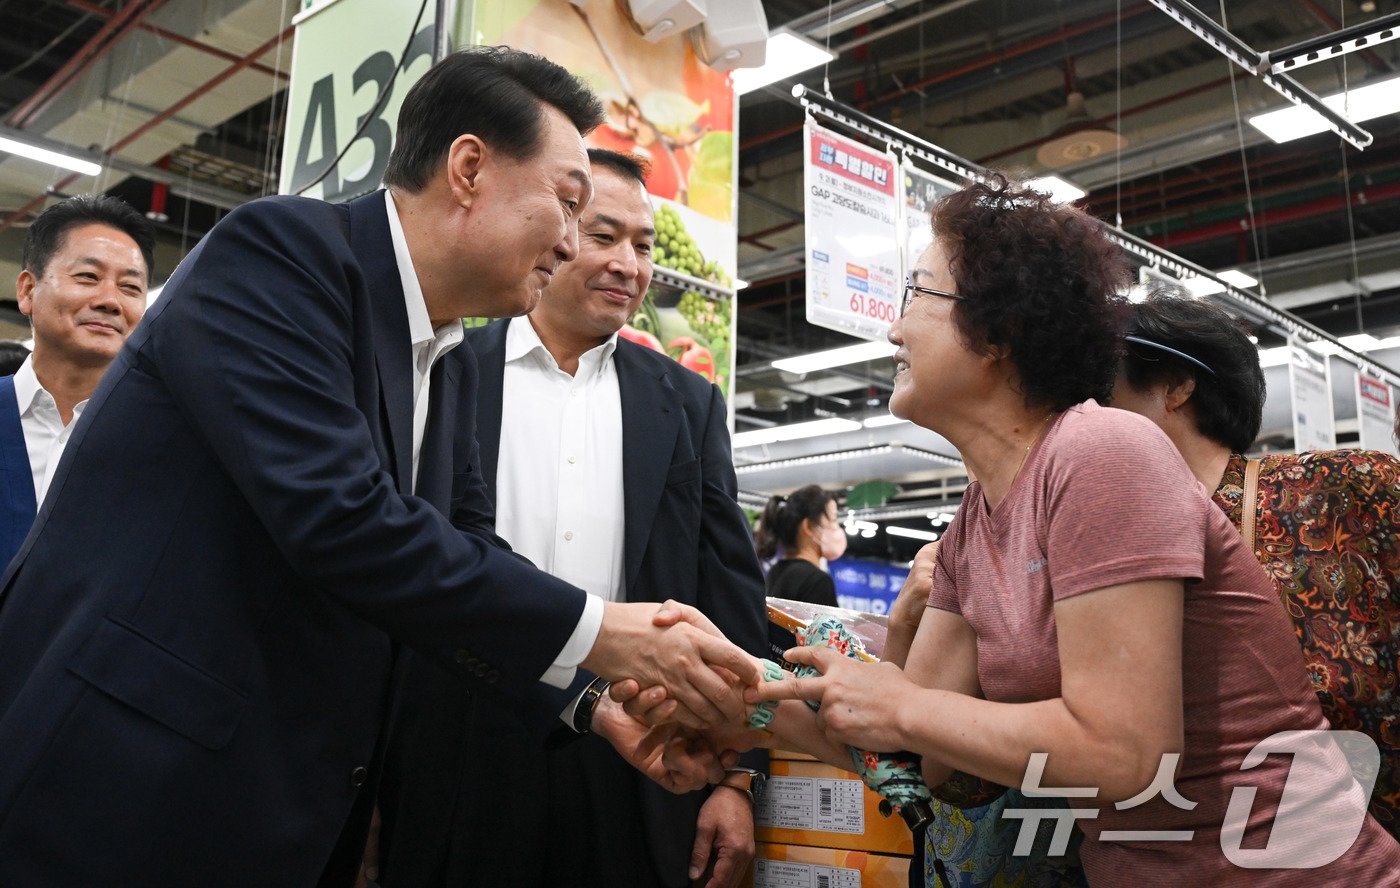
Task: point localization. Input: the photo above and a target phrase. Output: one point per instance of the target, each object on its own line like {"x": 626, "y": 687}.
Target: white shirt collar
{"x": 420, "y": 327}
{"x": 26, "y": 385}
{"x": 522, "y": 340}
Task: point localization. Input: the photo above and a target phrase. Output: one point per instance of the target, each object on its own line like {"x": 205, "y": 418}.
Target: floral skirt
{"x": 972, "y": 848}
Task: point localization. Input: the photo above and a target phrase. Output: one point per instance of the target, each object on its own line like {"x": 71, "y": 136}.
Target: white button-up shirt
{"x": 428, "y": 347}
{"x": 559, "y": 473}
{"x": 45, "y": 435}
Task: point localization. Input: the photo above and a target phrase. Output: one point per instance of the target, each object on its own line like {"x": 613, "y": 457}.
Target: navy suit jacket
{"x": 197, "y": 638}
{"x": 17, "y": 504}
{"x": 452, "y": 821}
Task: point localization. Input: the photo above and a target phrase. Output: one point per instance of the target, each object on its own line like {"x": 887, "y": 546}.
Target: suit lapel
{"x": 16, "y": 477}
{"x": 489, "y": 344}
{"x": 393, "y": 349}
{"x": 651, "y": 419}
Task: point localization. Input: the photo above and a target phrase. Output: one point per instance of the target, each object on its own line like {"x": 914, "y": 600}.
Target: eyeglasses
{"x": 911, "y": 290}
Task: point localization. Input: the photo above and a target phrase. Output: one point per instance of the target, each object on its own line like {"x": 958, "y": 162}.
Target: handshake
{"x": 676, "y": 709}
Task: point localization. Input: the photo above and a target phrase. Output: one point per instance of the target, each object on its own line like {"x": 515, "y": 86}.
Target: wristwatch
{"x": 587, "y": 703}
{"x": 746, "y": 780}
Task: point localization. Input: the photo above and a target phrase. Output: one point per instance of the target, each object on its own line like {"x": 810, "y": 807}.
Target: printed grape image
{"x": 695, "y": 330}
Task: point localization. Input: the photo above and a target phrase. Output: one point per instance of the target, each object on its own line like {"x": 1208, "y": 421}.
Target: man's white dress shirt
{"x": 45, "y": 435}
{"x": 428, "y": 347}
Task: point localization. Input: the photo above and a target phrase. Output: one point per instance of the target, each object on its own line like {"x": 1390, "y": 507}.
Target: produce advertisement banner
{"x": 853, "y": 243}
{"x": 920, "y": 191}
{"x": 337, "y": 141}
{"x": 1310, "y": 382}
{"x": 1375, "y": 414}
{"x": 667, "y": 106}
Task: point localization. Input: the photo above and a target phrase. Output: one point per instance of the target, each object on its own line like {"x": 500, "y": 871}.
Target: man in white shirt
{"x": 610, "y": 468}
{"x": 86, "y": 266}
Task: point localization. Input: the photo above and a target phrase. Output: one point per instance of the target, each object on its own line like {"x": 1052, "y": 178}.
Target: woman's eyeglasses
{"x": 911, "y": 290}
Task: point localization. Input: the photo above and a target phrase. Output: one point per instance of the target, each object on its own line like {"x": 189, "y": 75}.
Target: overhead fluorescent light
{"x": 1199, "y": 285}
{"x": 835, "y": 357}
{"x": 1273, "y": 357}
{"x": 1362, "y": 342}
{"x": 888, "y": 419}
{"x": 1360, "y": 104}
{"x": 788, "y": 55}
{"x": 740, "y": 283}
{"x": 911, "y": 533}
{"x": 794, "y": 431}
{"x": 53, "y": 158}
{"x": 1059, "y": 190}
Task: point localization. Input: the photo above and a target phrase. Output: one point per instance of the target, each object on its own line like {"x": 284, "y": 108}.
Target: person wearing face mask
{"x": 802, "y": 526}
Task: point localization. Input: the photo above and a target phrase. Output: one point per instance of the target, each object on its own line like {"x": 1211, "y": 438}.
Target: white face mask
{"x": 831, "y": 540}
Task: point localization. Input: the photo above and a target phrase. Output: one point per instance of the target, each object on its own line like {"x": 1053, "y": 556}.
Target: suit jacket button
{"x": 481, "y": 669}
{"x": 462, "y": 657}
{"x": 358, "y": 777}
{"x": 492, "y": 676}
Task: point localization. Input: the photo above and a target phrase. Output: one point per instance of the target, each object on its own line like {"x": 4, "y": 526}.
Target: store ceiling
{"x": 189, "y": 91}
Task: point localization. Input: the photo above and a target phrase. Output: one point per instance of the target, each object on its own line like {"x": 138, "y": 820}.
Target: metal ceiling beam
{"x": 1243, "y": 55}
{"x": 103, "y": 12}
{"x": 1334, "y": 45}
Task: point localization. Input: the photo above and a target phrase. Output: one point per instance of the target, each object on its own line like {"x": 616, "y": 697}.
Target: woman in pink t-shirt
{"x": 1091, "y": 615}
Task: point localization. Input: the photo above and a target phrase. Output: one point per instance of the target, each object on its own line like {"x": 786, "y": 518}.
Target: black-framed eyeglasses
{"x": 911, "y": 290}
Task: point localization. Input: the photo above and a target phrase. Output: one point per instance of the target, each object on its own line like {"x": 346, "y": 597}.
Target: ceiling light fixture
{"x": 912, "y": 534}
{"x": 1199, "y": 285}
{"x": 835, "y": 357}
{"x": 1058, "y": 189}
{"x": 794, "y": 431}
{"x": 885, "y": 419}
{"x": 788, "y": 55}
{"x": 1360, "y": 104}
{"x": 51, "y": 157}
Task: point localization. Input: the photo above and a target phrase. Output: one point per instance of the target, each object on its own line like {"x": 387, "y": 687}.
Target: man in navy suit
{"x": 275, "y": 486}
{"x": 610, "y": 466}
{"x": 86, "y": 264}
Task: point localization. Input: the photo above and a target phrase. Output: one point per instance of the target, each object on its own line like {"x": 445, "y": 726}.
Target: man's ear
{"x": 1179, "y": 393}
{"x": 465, "y": 160}
{"x": 24, "y": 292}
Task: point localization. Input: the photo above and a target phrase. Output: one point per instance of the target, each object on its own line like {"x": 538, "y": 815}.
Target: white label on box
{"x": 823, "y": 803}
{"x": 783, "y": 874}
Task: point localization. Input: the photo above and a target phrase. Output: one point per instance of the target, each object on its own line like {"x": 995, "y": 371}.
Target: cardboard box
{"x": 813, "y": 804}
{"x": 797, "y": 866}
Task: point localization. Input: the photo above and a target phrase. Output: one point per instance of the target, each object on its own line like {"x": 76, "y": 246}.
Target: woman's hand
{"x": 908, "y": 609}
{"x": 861, "y": 703}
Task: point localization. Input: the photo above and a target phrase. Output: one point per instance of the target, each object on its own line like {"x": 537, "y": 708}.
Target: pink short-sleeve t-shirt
{"x": 1105, "y": 499}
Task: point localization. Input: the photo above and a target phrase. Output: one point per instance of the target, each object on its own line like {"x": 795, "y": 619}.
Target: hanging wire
{"x": 1244, "y": 164}
{"x": 133, "y": 47}
{"x": 270, "y": 158}
{"x": 1118, "y": 122}
{"x": 1346, "y": 187}
{"x": 826, "y": 68}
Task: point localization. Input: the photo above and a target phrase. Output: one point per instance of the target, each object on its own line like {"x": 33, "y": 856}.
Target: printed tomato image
{"x": 641, "y": 337}
{"x": 693, "y": 356}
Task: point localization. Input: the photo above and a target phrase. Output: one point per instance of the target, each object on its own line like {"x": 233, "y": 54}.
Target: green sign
{"x": 347, "y": 83}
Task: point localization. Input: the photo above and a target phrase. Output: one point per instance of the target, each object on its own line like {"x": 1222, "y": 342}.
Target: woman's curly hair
{"x": 1040, "y": 284}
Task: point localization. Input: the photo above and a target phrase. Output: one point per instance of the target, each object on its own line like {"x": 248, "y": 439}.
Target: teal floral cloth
{"x": 972, "y": 848}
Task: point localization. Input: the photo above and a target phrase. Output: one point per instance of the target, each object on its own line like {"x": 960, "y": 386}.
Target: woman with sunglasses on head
{"x": 1087, "y": 600}
{"x": 802, "y": 527}
{"x": 1324, "y": 522}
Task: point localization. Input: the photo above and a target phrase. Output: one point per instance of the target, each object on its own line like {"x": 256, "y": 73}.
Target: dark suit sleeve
{"x": 258, "y": 347}
{"x": 730, "y": 581}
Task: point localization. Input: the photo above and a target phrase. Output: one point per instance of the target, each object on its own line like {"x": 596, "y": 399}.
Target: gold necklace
{"x": 1035, "y": 439}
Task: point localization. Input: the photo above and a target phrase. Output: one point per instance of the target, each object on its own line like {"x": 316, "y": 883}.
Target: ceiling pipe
{"x": 1052, "y": 41}
{"x": 201, "y": 91}
{"x": 1295, "y": 213}
{"x": 97, "y": 46}
{"x": 102, "y": 12}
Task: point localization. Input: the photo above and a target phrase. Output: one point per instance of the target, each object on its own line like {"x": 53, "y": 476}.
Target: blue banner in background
{"x": 867, "y": 586}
